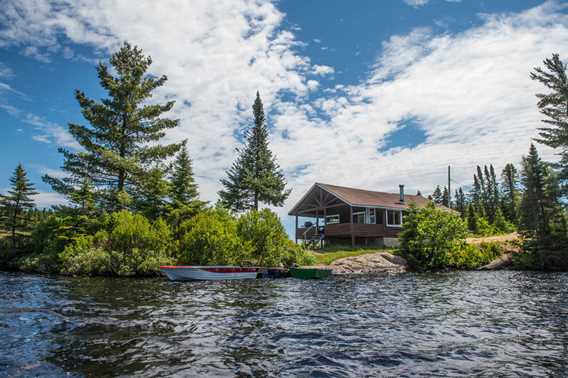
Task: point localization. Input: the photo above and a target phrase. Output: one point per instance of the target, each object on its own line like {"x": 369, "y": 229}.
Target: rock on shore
{"x": 381, "y": 262}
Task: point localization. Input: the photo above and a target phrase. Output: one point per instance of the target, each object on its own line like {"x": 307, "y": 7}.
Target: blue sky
{"x": 362, "y": 93}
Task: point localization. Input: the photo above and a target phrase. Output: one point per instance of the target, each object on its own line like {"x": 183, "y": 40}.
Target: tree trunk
{"x": 256, "y": 200}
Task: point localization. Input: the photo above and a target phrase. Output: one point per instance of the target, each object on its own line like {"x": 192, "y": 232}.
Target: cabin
{"x": 348, "y": 216}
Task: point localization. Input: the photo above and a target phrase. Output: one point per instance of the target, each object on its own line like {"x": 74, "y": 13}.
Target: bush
{"x": 270, "y": 243}
{"x": 129, "y": 245}
{"x": 84, "y": 256}
{"x": 430, "y": 236}
{"x": 474, "y": 256}
{"x": 210, "y": 238}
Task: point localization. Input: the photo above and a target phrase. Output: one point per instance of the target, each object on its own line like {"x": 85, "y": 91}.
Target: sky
{"x": 369, "y": 94}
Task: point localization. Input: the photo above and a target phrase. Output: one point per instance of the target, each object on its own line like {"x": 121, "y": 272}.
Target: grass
{"x": 329, "y": 255}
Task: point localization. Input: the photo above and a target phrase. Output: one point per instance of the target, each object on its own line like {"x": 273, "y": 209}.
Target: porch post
{"x": 351, "y": 226}
{"x": 317, "y": 221}
{"x": 324, "y": 224}
{"x": 296, "y": 230}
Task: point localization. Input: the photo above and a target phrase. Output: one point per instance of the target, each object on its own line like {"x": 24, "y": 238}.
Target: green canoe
{"x": 310, "y": 273}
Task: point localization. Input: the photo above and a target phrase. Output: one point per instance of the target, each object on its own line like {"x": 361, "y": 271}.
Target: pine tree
{"x": 17, "y": 202}
{"x": 255, "y": 176}
{"x": 446, "y": 197}
{"x": 183, "y": 186}
{"x": 554, "y": 106}
{"x": 477, "y": 193}
{"x": 471, "y": 219}
{"x": 510, "y": 193}
{"x": 83, "y": 197}
{"x": 533, "y": 215}
{"x": 438, "y": 196}
{"x": 492, "y": 193}
{"x": 460, "y": 203}
{"x": 120, "y": 146}
{"x": 151, "y": 195}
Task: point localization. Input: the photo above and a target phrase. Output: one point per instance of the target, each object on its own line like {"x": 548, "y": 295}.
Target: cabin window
{"x": 359, "y": 217}
{"x": 380, "y": 216}
{"x": 332, "y": 219}
{"x": 372, "y": 216}
{"x": 394, "y": 218}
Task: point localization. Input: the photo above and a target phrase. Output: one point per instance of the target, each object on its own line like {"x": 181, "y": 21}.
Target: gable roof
{"x": 364, "y": 198}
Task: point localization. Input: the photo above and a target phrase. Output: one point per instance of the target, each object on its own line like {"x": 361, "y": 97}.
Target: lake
{"x": 463, "y": 323}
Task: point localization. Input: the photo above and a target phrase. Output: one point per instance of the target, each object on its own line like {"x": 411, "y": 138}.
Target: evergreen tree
{"x": 83, "y": 197}
{"x": 120, "y": 146}
{"x": 460, "y": 203}
{"x": 446, "y": 197}
{"x": 477, "y": 193}
{"x": 510, "y": 193}
{"x": 183, "y": 185}
{"x": 255, "y": 176}
{"x": 471, "y": 219}
{"x": 533, "y": 215}
{"x": 151, "y": 195}
{"x": 554, "y": 106}
{"x": 18, "y": 202}
{"x": 492, "y": 193}
{"x": 438, "y": 196}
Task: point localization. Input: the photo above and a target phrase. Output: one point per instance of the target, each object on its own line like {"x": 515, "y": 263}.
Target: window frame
{"x": 397, "y": 225}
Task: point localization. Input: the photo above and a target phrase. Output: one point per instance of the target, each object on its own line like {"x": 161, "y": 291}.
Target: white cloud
{"x": 5, "y": 71}
{"x": 470, "y": 91}
{"x": 44, "y": 200}
{"x": 322, "y": 70}
{"x": 48, "y": 131}
{"x": 416, "y": 3}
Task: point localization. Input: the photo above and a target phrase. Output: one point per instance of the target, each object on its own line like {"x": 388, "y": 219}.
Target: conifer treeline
{"x": 485, "y": 205}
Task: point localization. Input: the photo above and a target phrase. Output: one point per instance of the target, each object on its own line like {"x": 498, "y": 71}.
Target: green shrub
{"x": 270, "y": 243}
{"x": 129, "y": 245}
{"x": 474, "y": 256}
{"x": 85, "y": 257}
{"x": 430, "y": 236}
{"x": 210, "y": 238}
{"x": 484, "y": 228}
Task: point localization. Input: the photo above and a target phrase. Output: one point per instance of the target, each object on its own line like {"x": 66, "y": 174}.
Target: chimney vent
{"x": 401, "y": 188}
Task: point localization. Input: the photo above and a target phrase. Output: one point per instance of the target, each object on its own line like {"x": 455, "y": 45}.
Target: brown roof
{"x": 360, "y": 197}
{"x": 364, "y": 198}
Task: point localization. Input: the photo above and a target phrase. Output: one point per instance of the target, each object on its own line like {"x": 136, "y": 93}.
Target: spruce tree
{"x": 510, "y": 193}
{"x": 255, "y": 176}
{"x": 460, "y": 203}
{"x": 17, "y": 203}
{"x": 471, "y": 219}
{"x": 533, "y": 215}
{"x": 446, "y": 197}
{"x": 183, "y": 186}
{"x": 477, "y": 193}
{"x": 121, "y": 144}
{"x": 438, "y": 196}
{"x": 554, "y": 106}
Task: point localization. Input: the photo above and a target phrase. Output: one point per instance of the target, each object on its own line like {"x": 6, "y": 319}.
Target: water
{"x": 466, "y": 323}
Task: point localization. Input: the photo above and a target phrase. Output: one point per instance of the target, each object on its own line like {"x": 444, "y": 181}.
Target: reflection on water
{"x": 468, "y": 323}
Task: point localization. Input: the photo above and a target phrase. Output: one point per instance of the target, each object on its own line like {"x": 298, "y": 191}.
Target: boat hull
{"x": 208, "y": 273}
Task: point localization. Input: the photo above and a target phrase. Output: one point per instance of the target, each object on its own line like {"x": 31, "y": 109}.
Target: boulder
{"x": 381, "y": 262}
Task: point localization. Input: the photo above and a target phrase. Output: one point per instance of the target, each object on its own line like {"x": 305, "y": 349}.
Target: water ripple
{"x": 453, "y": 324}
